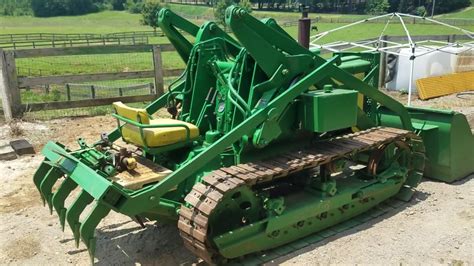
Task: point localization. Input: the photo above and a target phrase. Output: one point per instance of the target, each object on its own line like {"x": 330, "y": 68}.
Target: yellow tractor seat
{"x": 160, "y": 136}
{"x": 157, "y": 137}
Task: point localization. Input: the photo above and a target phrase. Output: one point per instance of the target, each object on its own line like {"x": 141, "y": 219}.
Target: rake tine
{"x": 47, "y": 184}
{"x": 88, "y": 227}
{"x": 74, "y": 212}
{"x": 39, "y": 176}
{"x": 60, "y": 196}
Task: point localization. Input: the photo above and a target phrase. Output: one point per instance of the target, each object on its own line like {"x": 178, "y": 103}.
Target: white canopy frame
{"x": 391, "y": 47}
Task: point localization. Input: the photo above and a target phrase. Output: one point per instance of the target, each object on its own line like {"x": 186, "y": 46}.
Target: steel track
{"x": 205, "y": 196}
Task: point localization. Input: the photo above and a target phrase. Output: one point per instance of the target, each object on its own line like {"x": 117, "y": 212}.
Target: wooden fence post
{"x": 92, "y": 92}
{"x": 452, "y": 38}
{"x": 383, "y": 62}
{"x": 68, "y": 92}
{"x": 10, "y": 92}
{"x": 158, "y": 64}
{"x": 151, "y": 87}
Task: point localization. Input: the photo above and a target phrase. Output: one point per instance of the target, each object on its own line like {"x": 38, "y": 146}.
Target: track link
{"x": 205, "y": 196}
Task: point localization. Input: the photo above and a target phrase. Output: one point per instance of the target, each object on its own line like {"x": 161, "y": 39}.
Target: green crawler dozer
{"x": 266, "y": 142}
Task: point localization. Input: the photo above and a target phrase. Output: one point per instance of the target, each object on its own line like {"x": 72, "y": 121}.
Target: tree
{"x": 219, "y": 11}
{"x": 150, "y": 13}
{"x": 15, "y": 7}
{"x": 134, "y": 6}
{"x": 80, "y": 7}
{"x": 246, "y": 4}
{"x": 49, "y": 8}
{"x": 377, "y": 7}
{"x": 118, "y": 4}
{"x": 222, "y": 5}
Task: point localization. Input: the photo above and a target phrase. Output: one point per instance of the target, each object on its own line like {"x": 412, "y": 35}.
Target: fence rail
{"x": 74, "y": 43}
{"x": 9, "y": 38}
{"x": 11, "y": 84}
{"x": 38, "y": 40}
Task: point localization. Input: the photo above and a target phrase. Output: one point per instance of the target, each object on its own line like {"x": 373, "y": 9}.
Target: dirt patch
{"x": 463, "y": 103}
{"x": 19, "y": 199}
{"x": 23, "y": 248}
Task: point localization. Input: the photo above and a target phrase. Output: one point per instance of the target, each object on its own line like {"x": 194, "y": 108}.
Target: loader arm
{"x": 266, "y": 45}
{"x": 170, "y": 24}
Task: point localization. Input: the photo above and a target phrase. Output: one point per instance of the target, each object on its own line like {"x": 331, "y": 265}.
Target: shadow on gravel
{"x": 155, "y": 244}
{"x": 461, "y": 181}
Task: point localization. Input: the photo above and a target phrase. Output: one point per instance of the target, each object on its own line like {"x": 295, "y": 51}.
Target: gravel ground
{"x": 436, "y": 227}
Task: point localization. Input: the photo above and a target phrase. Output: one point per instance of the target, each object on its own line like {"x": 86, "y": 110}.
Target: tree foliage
{"x": 219, "y": 10}
{"x": 246, "y": 4}
{"x": 134, "y": 6}
{"x": 50, "y": 8}
{"x": 118, "y": 4}
{"x": 150, "y": 13}
{"x": 376, "y": 7}
{"x": 15, "y": 7}
{"x": 222, "y": 5}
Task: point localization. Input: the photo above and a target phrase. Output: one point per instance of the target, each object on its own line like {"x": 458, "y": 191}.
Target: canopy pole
{"x": 410, "y": 81}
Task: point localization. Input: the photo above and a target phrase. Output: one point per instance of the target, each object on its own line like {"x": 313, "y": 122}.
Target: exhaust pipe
{"x": 304, "y": 26}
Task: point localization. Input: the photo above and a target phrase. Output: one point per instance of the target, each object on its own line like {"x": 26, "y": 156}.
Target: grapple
{"x": 70, "y": 170}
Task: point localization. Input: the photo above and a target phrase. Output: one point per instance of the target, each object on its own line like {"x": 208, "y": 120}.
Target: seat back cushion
{"x": 131, "y": 113}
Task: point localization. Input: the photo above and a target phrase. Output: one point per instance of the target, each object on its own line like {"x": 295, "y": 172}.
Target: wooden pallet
{"x": 145, "y": 173}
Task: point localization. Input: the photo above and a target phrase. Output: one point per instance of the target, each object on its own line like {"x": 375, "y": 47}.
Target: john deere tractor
{"x": 266, "y": 142}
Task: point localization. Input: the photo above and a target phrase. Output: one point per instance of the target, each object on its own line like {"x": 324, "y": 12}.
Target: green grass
{"x": 366, "y": 31}
{"x": 103, "y": 22}
{"x": 466, "y": 13}
{"x": 121, "y": 21}
{"x": 191, "y": 10}
{"x": 87, "y": 64}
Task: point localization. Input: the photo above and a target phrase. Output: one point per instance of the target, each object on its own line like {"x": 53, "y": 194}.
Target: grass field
{"x": 121, "y": 21}
{"x": 466, "y": 13}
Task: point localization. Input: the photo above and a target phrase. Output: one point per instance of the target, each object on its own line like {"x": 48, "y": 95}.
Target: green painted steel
{"x": 448, "y": 139}
{"x": 328, "y": 110}
{"x": 279, "y": 230}
{"x": 252, "y": 97}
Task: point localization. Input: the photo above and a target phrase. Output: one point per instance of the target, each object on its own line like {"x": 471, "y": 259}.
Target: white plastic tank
{"x": 428, "y": 63}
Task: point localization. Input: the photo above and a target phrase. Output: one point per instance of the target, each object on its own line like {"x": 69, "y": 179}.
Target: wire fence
{"x": 87, "y": 64}
{"x": 41, "y": 40}
{"x": 57, "y": 93}
{"x": 83, "y": 64}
